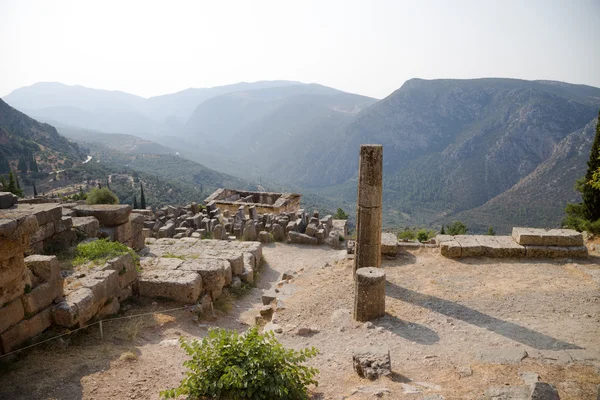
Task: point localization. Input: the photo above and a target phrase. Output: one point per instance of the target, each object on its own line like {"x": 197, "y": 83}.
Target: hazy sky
{"x": 368, "y": 47}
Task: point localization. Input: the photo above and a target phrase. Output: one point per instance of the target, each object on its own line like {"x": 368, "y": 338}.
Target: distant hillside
{"x": 115, "y": 111}
{"x": 22, "y": 136}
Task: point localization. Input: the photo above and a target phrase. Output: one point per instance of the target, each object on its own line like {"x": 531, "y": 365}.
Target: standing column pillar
{"x": 368, "y": 219}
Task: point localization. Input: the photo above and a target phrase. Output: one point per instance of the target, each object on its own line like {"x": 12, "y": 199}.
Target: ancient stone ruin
{"x": 264, "y": 202}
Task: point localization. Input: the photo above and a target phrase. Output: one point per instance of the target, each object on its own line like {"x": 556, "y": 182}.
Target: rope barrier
{"x": 101, "y": 330}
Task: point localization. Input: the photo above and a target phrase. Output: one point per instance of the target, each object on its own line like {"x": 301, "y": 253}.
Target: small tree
{"x": 13, "y": 185}
{"x": 34, "y": 190}
{"x": 101, "y": 196}
{"x": 227, "y": 365}
{"x": 442, "y": 231}
{"x": 457, "y": 228}
{"x": 491, "y": 231}
{"x": 422, "y": 235}
{"x": 135, "y": 204}
{"x": 340, "y": 214}
{"x": 142, "y": 197}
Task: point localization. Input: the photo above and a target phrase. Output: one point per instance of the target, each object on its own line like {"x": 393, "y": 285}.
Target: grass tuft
{"x": 99, "y": 251}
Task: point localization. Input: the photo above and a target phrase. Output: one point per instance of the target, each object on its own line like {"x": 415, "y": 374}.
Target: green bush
{"x": 423, "y": 235}
{"x": 101, "y": 196}
{"x": 227, "y": 365}
{"x": 457, "y": 228}
{"x": 99, "y": 251}
{"x": 407, "y": 234}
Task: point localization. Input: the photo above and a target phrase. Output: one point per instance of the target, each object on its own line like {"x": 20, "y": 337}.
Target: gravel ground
{"x": 454, "y": 328}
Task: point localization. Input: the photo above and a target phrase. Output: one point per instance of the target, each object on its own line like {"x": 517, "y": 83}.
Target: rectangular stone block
{"x": 44, "y": 232}
{"x": 63, "y": 224}
{"x": 451, "y": 249}
{"x": 104, "y": 284}
{"x": 389, "y": 244}
{"x": 46, "y": 268}
{"x": 11, "y": 269}
{"x": 42, "y": 296}
{"x": 88, "y": 226}
{"x": 555, "y": 252}
{"x": 469, "y": 246}
{"x": 439, "y": 239}
{"x": 125, "y": 267}
{"x": 183, "y": 286}
{"x": 547, "y": 237}
{"x": 10, "y": 314}
{"x": 78, "y": 307}
{"x": 26, "y": 329}
{"x": 509, "y": 247}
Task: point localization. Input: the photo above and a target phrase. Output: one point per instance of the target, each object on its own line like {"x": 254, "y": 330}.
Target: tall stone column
{"x": 368, "y": 219}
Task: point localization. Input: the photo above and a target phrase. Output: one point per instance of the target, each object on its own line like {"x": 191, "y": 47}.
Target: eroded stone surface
{"x": 106, "y": 214}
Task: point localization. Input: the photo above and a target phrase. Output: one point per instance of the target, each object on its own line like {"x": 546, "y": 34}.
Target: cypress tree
{"x": 591, "y": 195}
{"x": 135, "y": 204}
{"x": 13, "y": 185}
{"x": 33, "y": 165}
{"x": 142, "y": 197}
{"x": 22, "y": 165}
{"x": 443, "y": 231}
{"x": 3, "y": 183}
{"x": 107, "y": 184}
{"x": 34, "y": 190}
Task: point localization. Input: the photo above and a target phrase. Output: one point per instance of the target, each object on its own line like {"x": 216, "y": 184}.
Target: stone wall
{"x": 116, "y": 222}
{"x": 264, "y": 202}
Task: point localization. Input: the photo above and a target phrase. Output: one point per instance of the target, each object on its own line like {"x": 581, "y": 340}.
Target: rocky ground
{"x": 453, "y": 328}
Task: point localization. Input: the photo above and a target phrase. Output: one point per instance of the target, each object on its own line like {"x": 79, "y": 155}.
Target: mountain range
{"x": 494, "y": 151}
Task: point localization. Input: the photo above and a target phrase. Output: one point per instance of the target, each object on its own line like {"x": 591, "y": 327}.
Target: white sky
{"x": 369, "y": 47}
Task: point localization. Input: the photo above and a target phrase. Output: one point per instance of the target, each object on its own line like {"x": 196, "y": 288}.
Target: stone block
{"x": 15, "y": 288}
{"x": 63, "y": 224}
{"x": 470, "y": 247}
{"x": 26, "y": 329}
{"x": 111, "y": 307}
{"x": 104, "y": 284}
{"x": 45, "y": 213}
{"x": 451, "y": 249}
{"x": 264, "y": 237}
{"x": 547, "y": 237}
{"x": 301, "y": 238}
{"x": 44, "y": 232}
{"x": 555, "y": 251}
{"x": 60, "y": 241}
{"x": 11, "y": 269}
{"x": 42, "y": 296}
{"x": 46, "y": 268}
{"x": 211, "y": 270}
{"x": 178, "y": 285}
{"x": 10, "y": 314}
{"x": 88, "y": 226}
{"x": 389, "y": 244}
{"x": 14, "y": 227}
{"x": 510, "y": 248}
{"x": 106, "y": 214}
{"x": 311, "y": 229}
{"x": 125, "y": 267}
{"x": 7, "y": 200}
{"x": 372, "y": 362}
{"x": 439, "y": 239}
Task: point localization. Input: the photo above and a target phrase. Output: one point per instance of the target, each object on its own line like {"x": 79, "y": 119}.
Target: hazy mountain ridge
{"x": 21, "y": 135}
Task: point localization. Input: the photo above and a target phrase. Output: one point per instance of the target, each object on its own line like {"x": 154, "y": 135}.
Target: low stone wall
{"x": 116, "y": 222}
{"x": 524, "y": 242}
{"x": 191, "y": 270}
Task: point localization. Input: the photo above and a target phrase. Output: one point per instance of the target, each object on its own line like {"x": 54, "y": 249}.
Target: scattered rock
{"x": 372, "y": 362}
{"x": 464, "y": 372}
{"x": 544, "y": 391}
{"x": 507, "y": 393}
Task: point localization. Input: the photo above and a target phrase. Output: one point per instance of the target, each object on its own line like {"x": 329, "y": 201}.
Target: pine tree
{"x": 13, "y": 185}
{"x": 443, "y": 231}
{"x": 22, "y": 165}
{"x": 34, "y": 190}
{"x": 142, "y": 197}
{"x": 135, "y": 204}
{"x": 3, "y": 183}
{"x": 33, "y": 164}
{"x": 590, "y": 194}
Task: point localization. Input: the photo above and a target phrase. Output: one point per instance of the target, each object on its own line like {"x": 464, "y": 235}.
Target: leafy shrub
{"x": 491, "y": 231}
{"x": 101, "y": 196}
{"x": 340, "y": 214}
{"x": 227, "y": 365}
{"x": 407, "y": 234}
{"x": 581, "y": 224}
{"x": 423, "y": 235}
{"x": 457, "y": 228}
{"x": 99, "y": 251}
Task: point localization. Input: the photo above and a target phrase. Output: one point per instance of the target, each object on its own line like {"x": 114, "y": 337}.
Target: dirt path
{"x": 448, "y": 325}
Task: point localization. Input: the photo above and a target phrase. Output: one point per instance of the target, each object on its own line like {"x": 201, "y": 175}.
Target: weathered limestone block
{"x": 63, "y": 224}
{"x": 489, "y": 245}
{"x": 11, "y": 269}
{"x": 372, "y": 362}
{"x": 111, "y": 307}
{"x": 278, "y": 233}
{"x": 311, "y": 229}
{"x": 166, "y": 231}
{"x": 45, "y": 213}
{"x": 26, "y": 329}
{"x": 211, "y": 270}
{"x": 250, "y": 232}
{"x": 451, "y": 249}
{"x": 106, "y": 214}
{"x": 547, "y": 237}
{"x": 44, "y": 232}
{"x": 178, "y": 285}
{"x": 78, "y": 307}
{"x": 334, "y": 240}
{"x": 555, "y": 251}
{"x": 125, "y": 267}
{"x": 104, "y": 285}
{"x": 439, "y": 239}
{"x": 369, "y": 294}
{"x": 60, "y": 241}
{"x": 15, "y": 288}
{"x": 10, "y": 314}
{"x": 320, "y": 236}
{"x": 7, "y": 200}
{"x": 470, "y": 247}
{"x": 15, "y": 228}
{"x": 42, "y": 296}
{"x": 264, "y": 237}
{"x": 544, "y": 391}
{"x": 510, "y": 248}
{"x": 389, "y": 244}
{"x": 301, "y": 238}
{"x": 88, "y": 226}
{"x": 255, "y": 249}
{"x": 290, "y": 227}
{"x": 219, "y": 232}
